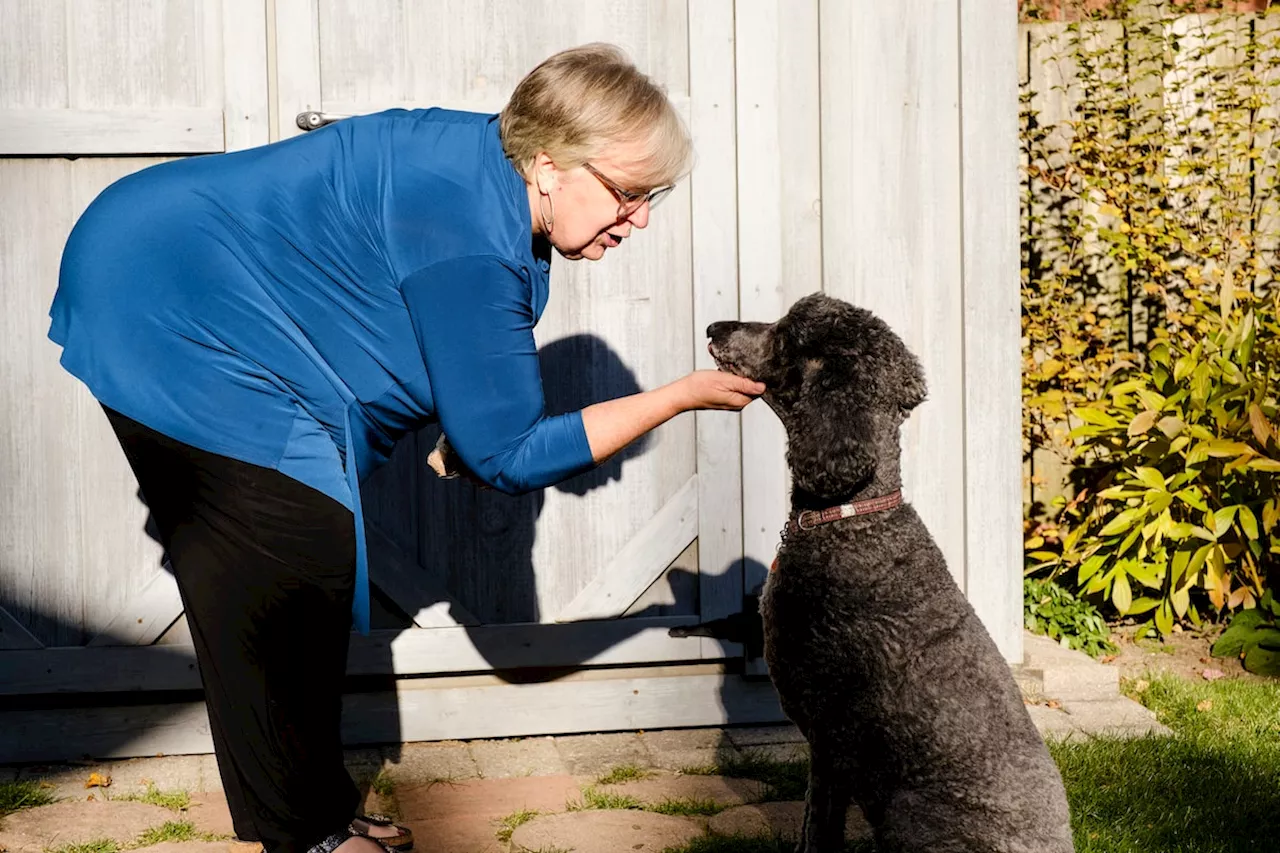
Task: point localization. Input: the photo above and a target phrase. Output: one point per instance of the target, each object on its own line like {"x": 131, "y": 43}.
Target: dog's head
{"x": 839, "y": 379}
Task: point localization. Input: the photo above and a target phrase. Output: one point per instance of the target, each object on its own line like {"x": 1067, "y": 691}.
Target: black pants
{"x": 265, "y": 566}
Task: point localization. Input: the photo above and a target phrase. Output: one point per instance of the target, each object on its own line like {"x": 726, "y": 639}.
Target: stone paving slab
{"x": 1054, "y": 723}
{"x": 524, "y": 757}
{"x": 209, "y": 813}
{"x": 779, "y": 820}
{"x": 210, "y": 776}
{"x": 685, "y": 760}
{"x": 44, "y": 827}
{"x": 690, "y": 749}
{"x": 606, "y": 831}
{"x": 495, "y": 798}
{"x": 1067, "y": 674}
{"x": 783, "y": 752}
{"x": 421, "y": 762}
{"x": 456, "y": 835}
{"x": 596, "y": 755}
{"x": 762, "y": 735}
{"x": 189, "y": 847}
{"x": 465, "y": 816}
{"x": 1120, "y": 717}
{"x": 722, "y": 790}
{"x": 66, "y": 781}
{"x": 169, "y": 773}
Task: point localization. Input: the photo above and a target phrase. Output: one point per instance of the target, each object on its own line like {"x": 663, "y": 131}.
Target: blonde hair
{"x": 579, "y": 102}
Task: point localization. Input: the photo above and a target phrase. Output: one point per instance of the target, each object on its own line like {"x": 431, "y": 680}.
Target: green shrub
{"x": 1150, "y": 346}
{"x": 1254, "y": 637}
{"x": 1057, "y": 614}
{"x": 1182, "y": 462}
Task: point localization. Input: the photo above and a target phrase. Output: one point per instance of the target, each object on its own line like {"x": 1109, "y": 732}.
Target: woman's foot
{"x": 359, "y": 844}
{"x": 383, "y": 829}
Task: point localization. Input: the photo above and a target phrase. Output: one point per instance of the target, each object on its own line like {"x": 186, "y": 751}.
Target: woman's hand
{"x": 614, "y": 424}
{"x": 715, "y": 389}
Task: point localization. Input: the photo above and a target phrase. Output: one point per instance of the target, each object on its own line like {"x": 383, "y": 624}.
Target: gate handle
{"x": 312, "y": 119}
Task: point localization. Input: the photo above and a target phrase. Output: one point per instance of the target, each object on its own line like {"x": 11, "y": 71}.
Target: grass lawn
{"x": 1213, "y": 788}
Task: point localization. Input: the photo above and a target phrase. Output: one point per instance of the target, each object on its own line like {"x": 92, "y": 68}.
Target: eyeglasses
{"x": 630, "y": 201}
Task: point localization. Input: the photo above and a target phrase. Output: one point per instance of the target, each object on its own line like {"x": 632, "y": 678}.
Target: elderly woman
{"x": 260, "y": 328}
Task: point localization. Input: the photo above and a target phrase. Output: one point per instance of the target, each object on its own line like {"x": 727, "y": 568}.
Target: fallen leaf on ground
{"x": 1206, "y": 705}
{"x": 1107, "y": 658}
{"x": 97, "y": 780}
{"x": 1053, "y": 703}
{"x": 1212, "y": 674}
{"x": 1140, "y": 685}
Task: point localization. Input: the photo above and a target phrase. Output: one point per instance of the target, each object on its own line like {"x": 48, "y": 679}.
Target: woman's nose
{"x": 640, "y": 216}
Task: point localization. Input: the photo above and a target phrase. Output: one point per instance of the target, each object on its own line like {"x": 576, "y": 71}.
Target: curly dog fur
{"x": 908, "y": 706}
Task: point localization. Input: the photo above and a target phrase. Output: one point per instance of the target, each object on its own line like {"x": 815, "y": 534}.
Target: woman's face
{"x": 591, "y": 216}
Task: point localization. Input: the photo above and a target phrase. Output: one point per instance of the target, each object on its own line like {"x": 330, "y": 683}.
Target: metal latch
{"x": 312, "y": 119}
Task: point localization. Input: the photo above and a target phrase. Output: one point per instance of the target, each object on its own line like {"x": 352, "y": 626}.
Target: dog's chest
{"x": 819, "y": 616}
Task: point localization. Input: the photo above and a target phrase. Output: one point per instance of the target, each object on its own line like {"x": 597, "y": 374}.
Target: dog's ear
{"x": 912, "y": 389}
{"x": 832, "y": 456}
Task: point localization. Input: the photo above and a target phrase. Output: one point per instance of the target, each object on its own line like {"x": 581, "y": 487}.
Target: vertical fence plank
{"x": 992, "y": 363}
{"x": 779, "y": 231}
{"x": 713, "y": 194}
{"x": 1266, "y": 148}
{"x": 891, "y": 219}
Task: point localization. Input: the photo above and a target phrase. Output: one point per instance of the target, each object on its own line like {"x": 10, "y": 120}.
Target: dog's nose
{"x": 717, "y": 329}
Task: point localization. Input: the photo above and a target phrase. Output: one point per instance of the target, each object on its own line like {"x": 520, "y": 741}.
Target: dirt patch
{"x": 1184, "y": 654}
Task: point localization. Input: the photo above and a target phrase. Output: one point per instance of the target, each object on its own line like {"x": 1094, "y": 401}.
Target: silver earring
{"x": 548, "y": 220}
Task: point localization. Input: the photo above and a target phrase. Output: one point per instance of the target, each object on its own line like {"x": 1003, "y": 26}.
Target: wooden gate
{"x": 869, "y": 150}
{"x": 469, "y": 584}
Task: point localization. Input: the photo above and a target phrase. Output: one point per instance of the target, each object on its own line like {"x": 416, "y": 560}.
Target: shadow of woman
{"x": 476, "y": 547}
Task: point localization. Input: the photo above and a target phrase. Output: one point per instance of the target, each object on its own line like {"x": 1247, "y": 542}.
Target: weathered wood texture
{"x": 427, "y": 709}
{"x": 863, "y": 149}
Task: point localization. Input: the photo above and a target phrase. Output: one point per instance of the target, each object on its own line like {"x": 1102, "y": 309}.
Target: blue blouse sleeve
{"x": 474, "y": 319}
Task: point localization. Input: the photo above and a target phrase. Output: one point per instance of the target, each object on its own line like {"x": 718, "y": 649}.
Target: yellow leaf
{"x": 1171, "y": 426}
{"x": 1237, "y": 598}
{"x": 1223, "y": 447}
{"x": 97, "y": 780}
{"x": 1109, "y": 210}
{"x": 1121, "y": 594}
{"x": 1150, "y": 477}
{"x": 1051, "y": 367}
{"x": 1259, "y": 424}
{"x": 1143, "y": 422}
{"x": 1204, "y": 705}
{"x": 1181, "y": 599}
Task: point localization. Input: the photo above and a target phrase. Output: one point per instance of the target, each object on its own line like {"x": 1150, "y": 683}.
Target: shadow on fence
{"x": 115, "y": 698}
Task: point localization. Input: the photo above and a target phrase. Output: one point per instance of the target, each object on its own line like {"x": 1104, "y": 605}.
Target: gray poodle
{"x": 908, "y": 707}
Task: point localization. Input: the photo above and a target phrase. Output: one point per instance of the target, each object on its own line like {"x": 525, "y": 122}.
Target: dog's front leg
{"x": 826, "y": 804}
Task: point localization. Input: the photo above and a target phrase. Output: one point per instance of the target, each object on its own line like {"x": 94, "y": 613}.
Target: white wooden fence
{"x": 865, "y": 149}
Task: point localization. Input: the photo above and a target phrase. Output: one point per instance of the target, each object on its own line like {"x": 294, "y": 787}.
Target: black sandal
{"x": 401, "y": 842}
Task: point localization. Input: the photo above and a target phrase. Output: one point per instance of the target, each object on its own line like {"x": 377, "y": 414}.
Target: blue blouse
{"x": 303, "y": 304}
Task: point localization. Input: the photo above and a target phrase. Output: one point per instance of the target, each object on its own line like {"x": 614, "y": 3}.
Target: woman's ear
{"x": 546, "y": 175}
